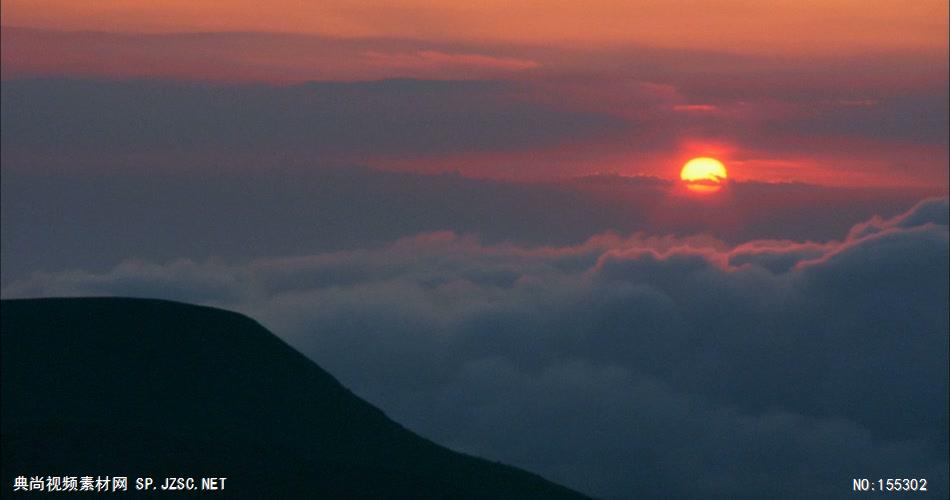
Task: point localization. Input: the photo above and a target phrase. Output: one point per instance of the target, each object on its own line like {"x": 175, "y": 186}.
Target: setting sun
{"x": 703, "y": 174}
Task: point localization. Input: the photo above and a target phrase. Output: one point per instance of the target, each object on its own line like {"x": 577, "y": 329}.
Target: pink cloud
{"x": 429, "y": 59}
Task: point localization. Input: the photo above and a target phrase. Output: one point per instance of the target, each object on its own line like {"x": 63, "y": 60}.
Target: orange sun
{"x": 703, "y": 174}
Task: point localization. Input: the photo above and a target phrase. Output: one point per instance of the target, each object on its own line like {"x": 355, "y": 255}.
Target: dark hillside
{"x": 136, "y": 388}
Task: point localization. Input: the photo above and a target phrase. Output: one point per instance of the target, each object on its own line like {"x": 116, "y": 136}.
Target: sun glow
{"x": 703, "y": 174}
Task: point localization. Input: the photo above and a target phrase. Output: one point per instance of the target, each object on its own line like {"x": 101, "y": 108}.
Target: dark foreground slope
{"x": 137, "y": 388}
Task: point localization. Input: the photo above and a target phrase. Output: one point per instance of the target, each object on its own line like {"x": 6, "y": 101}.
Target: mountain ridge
{"x": 148, "y": 387}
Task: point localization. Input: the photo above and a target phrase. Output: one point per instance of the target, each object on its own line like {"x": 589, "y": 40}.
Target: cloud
{"x": 623, "y": 366}
{"x": 248, "y": 56}
{"x": 433, "y": 58}
{"x": 200, "y": 211}
{"x": 854, "y": 119}
{"x": 933, "y": 211}
{"x": 335, "y": 121}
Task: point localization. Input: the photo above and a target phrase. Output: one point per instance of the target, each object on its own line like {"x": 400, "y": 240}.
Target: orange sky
{"x": 778, "y": 26}
{"x": 787, "y": 88}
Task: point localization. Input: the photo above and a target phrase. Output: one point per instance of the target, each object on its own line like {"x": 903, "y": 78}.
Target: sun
{"x": 703, "y": 174}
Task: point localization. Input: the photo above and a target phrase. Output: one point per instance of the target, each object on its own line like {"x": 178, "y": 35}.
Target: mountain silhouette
{"x": 151, "y": 388}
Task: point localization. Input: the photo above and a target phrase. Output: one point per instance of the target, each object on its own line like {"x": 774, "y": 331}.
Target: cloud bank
{"x": 345, "y": 121}
{"x": 837, "y": 124}
{"x": 237, "y": 217}
{"x": 625, "y": 367}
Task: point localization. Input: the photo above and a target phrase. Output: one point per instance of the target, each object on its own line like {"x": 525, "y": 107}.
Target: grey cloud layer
{"x": 352, "y": 120}
{"x": 627, "y": 367}
{"x": 152, "y": 123}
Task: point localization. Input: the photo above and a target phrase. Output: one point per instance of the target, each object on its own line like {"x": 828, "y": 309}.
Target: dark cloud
{"x": 585, "y": 115}
{"x": 627, "y": 367}
{"x": 62, "y": 117}
{"x": 250, "y": 56}
{"x": 918, "y": 118}
{"x": 538, "y": 111}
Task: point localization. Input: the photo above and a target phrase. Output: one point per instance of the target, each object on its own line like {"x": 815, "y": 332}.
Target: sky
{"x": 830, "y": 92}
{"x": 472, "y": 215}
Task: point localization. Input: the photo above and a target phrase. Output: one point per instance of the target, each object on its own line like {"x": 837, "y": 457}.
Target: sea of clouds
{"x": 625, "y": 367}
